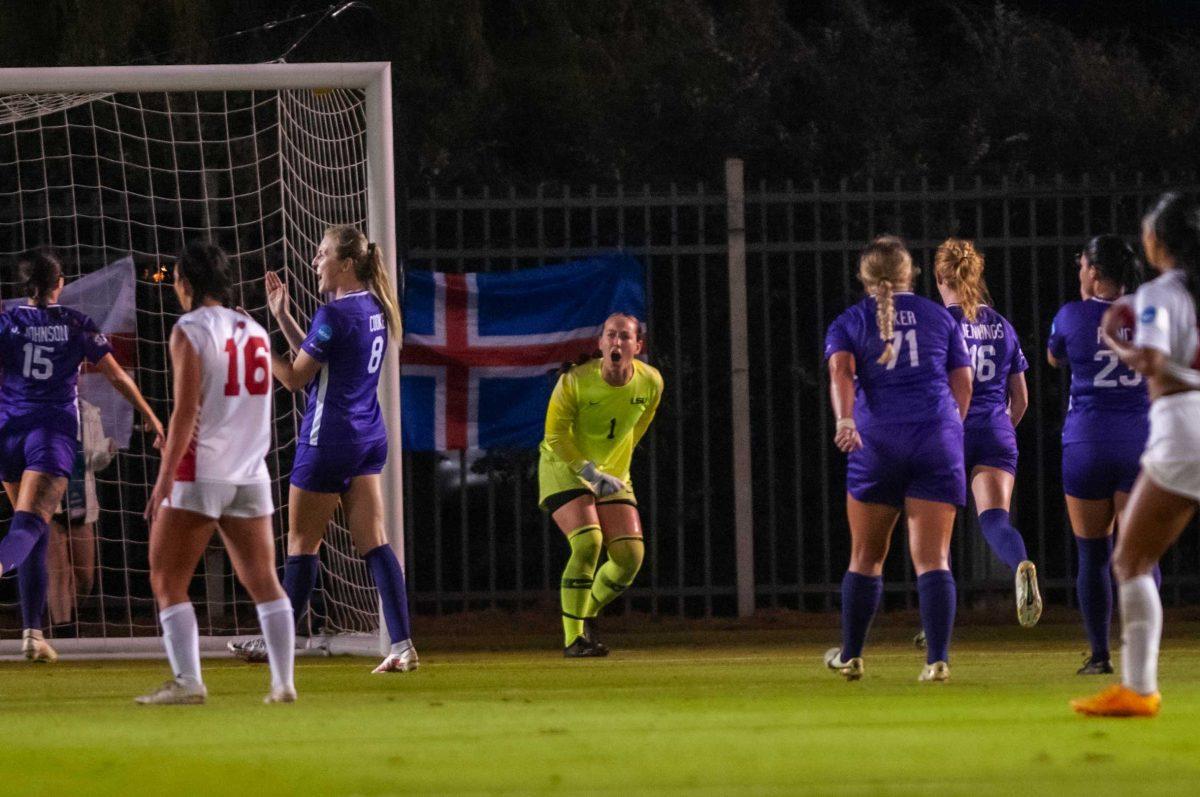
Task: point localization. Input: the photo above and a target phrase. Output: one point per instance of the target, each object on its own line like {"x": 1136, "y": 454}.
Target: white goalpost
{"x": 115, "y": 167}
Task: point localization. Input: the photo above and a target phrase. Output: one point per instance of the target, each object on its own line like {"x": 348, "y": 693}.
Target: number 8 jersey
{"x": 233, "y": 432}
{"x": 349, "y": 337}
{"x": 1101, "y": 386}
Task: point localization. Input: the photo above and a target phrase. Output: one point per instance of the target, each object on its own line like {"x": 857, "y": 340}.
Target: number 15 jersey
{"x": 233, "y": 432}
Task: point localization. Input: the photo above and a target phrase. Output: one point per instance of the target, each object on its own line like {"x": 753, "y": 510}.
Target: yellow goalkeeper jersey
{"x": 589, "y": 419}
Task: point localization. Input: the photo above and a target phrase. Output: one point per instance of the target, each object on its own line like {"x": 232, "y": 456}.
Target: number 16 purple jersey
{"x": 41, "y": 349}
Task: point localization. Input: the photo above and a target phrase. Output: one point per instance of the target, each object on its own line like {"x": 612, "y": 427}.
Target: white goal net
{"x": 116, "y": 181}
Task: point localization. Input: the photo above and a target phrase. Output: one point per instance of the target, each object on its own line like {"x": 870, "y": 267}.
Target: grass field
{"x": 705, "y": 711}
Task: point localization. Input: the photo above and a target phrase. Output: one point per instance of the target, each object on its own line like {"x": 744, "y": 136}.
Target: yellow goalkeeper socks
{"x": 585, "y": 543}
{"x": 615, "y": 576}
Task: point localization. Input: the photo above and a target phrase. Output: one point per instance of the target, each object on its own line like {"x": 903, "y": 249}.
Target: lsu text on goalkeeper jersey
{"x": 591, "y": 420}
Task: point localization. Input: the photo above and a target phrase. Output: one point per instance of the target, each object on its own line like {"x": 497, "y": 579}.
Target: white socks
{"x": 401, "y": 647}
{"x": 279, "y": 631}
{"x": 1141, "y": 632}
{"x": 181, "y": 638}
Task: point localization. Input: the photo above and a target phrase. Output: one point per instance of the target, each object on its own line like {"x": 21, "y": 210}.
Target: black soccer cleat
{"x": 1095, "y": 666}
{"x": 582, "y": 649}
{"x": 589, "y": 633}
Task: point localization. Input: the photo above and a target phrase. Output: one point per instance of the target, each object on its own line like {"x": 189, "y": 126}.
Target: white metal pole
{"x": 743, "y": 525}
{"x": 381, "y": 227}
{"x": 211, "y": 77}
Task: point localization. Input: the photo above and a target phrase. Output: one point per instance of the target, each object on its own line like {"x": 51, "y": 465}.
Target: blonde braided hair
{"x": 960, "y": 266}
{"x": 883, "y": 265}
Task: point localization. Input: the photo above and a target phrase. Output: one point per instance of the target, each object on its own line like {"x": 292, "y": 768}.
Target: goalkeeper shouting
{"x": 597, "y": 414}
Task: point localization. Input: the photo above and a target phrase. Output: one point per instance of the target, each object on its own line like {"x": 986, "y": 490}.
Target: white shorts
{"x": 218, "y": 499}
{"x": 1172, "y": 455}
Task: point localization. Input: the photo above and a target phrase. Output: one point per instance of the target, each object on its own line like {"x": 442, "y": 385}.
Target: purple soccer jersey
{"x": 995, "y": 354}
{"x": 41, "y": 349}
{"x": 349, "y": 337}
{"x": 912, "y": 386}
{"x": 1108, "y": 400}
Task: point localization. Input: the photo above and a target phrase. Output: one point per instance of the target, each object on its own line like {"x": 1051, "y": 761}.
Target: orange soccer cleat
{"x": 1118, "y": 701}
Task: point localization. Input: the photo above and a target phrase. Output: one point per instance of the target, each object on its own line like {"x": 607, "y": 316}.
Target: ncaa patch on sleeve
{"x": 1148, "y": 314}
{"x": 324, "y": 333}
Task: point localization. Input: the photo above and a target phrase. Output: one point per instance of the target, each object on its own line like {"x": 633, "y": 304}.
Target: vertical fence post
{"x": 735, "y": 210}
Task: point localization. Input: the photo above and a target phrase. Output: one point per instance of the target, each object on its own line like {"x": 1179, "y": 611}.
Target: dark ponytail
{"x": 40, "y": 271}
{"x": 1113, "y": 259}
{"x": 1175, "y": 222}
{"x": 206, "y": 268}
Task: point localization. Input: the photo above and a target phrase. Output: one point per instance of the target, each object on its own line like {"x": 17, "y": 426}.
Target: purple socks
{"x": 24, "y": 533}
{"x": 938, "y": 598}
{"x": 33, "y": 583}
{"x": 1093, "y": 585}
{"x": 860, "y": 600}
{"x": 389, "y": 581}
{"x": 299, "y": 580}
{"x": 1002, "y": 538}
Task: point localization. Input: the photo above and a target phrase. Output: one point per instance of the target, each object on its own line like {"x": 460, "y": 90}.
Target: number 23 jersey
{"x": 1108, "y": 400}
{"x": 590, "y": 420}
{"x": 233, "y": 432}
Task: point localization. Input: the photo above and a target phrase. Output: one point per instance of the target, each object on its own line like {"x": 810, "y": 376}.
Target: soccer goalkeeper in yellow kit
{"x": 597, "y": 415}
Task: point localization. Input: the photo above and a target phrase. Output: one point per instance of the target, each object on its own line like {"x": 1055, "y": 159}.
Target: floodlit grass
{"x": 707, "y": 712}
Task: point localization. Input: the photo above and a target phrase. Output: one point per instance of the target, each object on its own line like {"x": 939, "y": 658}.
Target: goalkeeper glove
{"x": 602, "y": 484}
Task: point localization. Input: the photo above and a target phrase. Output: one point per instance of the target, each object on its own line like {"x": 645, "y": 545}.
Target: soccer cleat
{"x": 399, "y": 662}
{"x": 174, "y": 692}
{"x": 1093, "y": 665}
{"x": 939, "y": 671}
{"x": 281, "y": 694}
{"x": 251, "y": 651}
{"x": 851, "y": 670}
{"x": 1118, "y": 701}
{"x": 589, "y": 633}
{"x": 1029, "y": 600}
{"x": 582, "y": 649}
{"x": 35, "y": 647}
{"x": 919, "y": 639}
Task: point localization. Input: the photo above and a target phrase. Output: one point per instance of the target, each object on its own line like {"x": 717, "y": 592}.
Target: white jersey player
{"x": 213, "y": 470}
{"x": 1164, "y": 350}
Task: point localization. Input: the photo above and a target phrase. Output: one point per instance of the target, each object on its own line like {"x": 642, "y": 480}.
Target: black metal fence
{"x": 474, "y": 535}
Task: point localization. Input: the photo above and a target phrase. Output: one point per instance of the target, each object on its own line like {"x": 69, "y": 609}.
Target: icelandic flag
{"x": 476, "y": 370}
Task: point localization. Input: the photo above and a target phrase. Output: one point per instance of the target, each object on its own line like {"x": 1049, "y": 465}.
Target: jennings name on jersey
{"x": 41, "y": 349}
{"x": 996, "y": 355}
{"x": 349, "y": 337}
{"x": 233, "y": 432}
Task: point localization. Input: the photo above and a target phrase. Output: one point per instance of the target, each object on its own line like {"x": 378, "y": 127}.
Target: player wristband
{"x": 846, "y": 423}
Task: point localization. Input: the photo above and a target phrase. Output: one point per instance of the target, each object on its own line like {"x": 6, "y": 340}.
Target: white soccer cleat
{"x": 281, "y": 694}
{"x": 851, "y": 670}
{"x": 175, "y": 692}
{"x": 399, "y": 662}
{"x": 939, "y": 672}
{"x": 251, "y": 651}
{"x": 1029, "y": 600}
{"x": 35, "y": 648}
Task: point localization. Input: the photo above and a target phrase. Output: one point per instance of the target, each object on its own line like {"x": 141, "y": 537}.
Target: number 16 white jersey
{"x": 233, "y": 432}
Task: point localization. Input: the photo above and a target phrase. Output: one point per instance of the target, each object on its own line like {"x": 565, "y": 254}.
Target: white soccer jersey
{"x": 233, "y": 432}
{"x": 1166, "y": 318}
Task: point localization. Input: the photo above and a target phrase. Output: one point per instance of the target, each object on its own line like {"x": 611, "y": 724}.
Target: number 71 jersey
{"x": 913, "y": 386}
{"x": 233, "y": 432}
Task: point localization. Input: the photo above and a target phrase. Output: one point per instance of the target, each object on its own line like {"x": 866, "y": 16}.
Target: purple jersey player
{"x": 42, "y": 345}
{"x": 1104, "y": 432}
{"x": 900, "y": 383}
{"x": 998, "y": 401}
{"x": 342, "y": 446}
